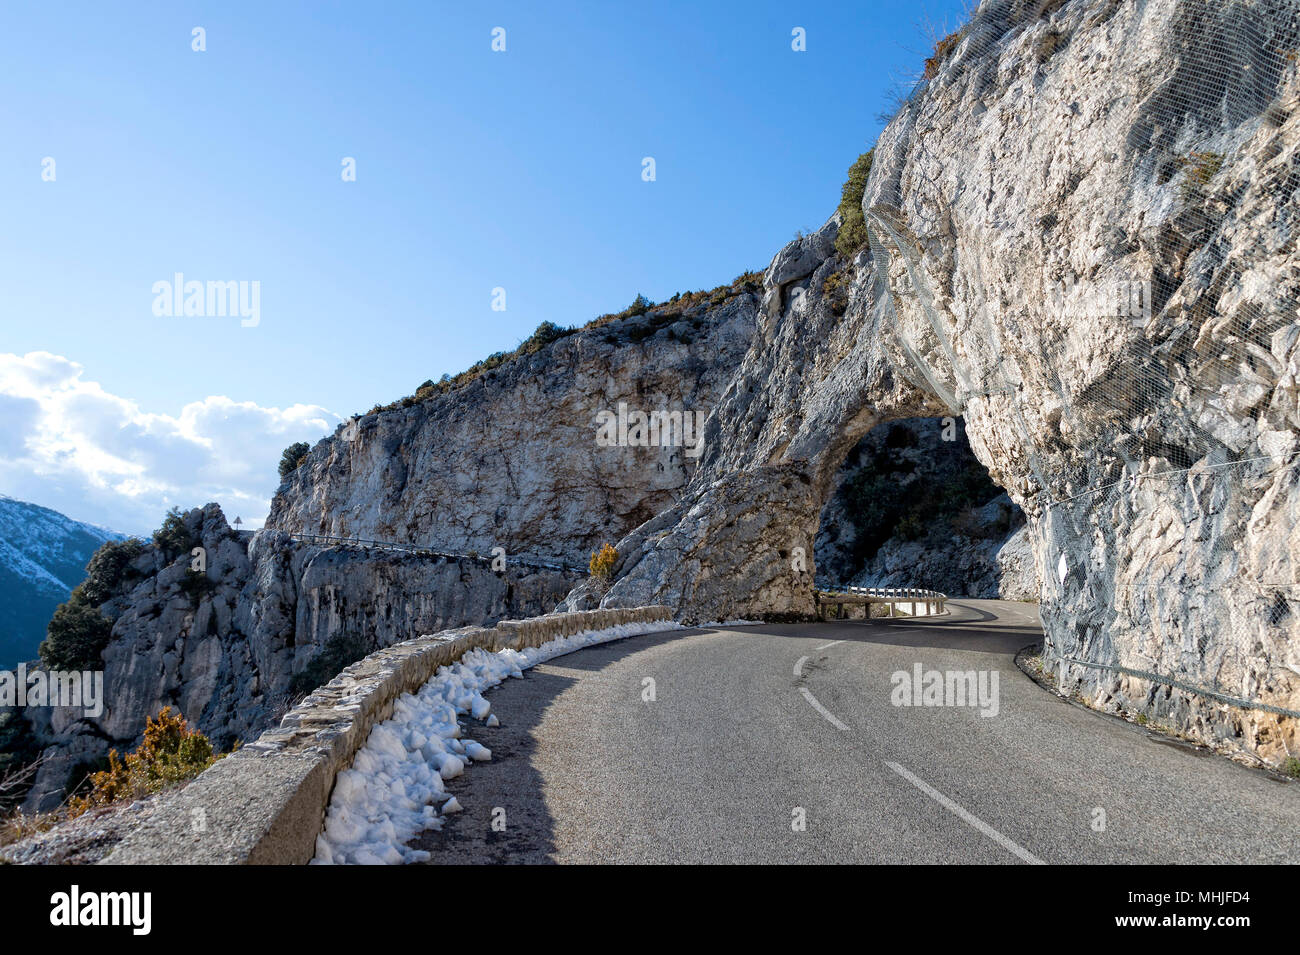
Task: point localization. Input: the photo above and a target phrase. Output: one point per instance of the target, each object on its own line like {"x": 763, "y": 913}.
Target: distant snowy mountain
{"x": 43, "y": 555}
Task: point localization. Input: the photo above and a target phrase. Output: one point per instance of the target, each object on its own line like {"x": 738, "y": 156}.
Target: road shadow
{"x": 965, "y": 627}
{"x": 506, "y": 820}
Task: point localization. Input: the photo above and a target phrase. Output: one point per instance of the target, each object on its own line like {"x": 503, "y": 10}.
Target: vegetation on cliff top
{"x": 659, "y": 315}
{"x": 852, "y": 236}
{"x": 78, "y": 632}
{"x": 292, "y": 457}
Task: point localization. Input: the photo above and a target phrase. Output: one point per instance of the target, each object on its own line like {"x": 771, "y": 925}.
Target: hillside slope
{"x": 43, "y": 555}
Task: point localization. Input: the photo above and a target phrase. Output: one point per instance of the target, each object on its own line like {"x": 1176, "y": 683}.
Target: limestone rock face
{"x": 740, "y": 539}
{"x": 512, "y": 459}
{"x": 1017, "y": 574}
{"x": 225, "y": 653}
{"x": 1083, "y": 240}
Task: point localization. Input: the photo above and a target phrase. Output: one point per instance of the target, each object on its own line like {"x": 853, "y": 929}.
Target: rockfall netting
{"x": 1136, "y": 362}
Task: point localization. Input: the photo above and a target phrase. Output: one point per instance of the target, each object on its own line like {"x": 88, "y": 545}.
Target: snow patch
{"x": 386, "y": 798}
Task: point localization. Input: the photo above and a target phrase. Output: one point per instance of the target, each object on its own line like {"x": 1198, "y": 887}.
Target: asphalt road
{"x": 753, "y": 729}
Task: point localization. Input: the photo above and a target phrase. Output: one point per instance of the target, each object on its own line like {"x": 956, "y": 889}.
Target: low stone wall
{"x": 265, "y": 803}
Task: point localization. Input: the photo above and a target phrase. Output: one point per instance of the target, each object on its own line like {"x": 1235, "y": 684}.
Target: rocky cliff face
{"x": 513, "y": 459}
{"x": 1083, "y": 239}
{"x": 267, "y": 620}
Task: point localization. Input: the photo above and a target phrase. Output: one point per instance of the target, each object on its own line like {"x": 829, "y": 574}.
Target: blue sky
{"x": 475, "y": 170}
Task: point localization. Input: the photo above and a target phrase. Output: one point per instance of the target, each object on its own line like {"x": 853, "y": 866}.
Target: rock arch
{"x": 1054, "y": 162}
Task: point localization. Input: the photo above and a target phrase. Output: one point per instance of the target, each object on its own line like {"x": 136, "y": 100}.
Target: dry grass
{"x": 18, "y": 825}
{"x": 942, "y": 50}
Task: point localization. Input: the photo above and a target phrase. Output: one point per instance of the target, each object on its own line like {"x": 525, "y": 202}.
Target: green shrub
{"x": 174, "y": 537}
{"x": 640, "y": 305}
{"x": 196, "y": 585}
{"x": 853, "y": 226}
{"x": 293, "y": 455}
{"x": 836, "y": 290}
{"x": 912, "y": 525}
{"x": 76, "y": 635}
{"x": 546, "y": 333}
{"x": 339, "y": 651}
{"x": 1292, "y": 767}
{"x": 110, "y": 568}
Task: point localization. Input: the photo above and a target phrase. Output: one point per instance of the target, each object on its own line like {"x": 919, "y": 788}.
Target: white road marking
{"x": 822, "y": 710}
{"x": 973, "y": 821}
{"x": 798, "y": 667}
{"x": 827, "y": 646}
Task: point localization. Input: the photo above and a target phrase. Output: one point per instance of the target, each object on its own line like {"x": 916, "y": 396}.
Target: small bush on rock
{"x": 602, "y": 563}
{"x": 1198, "y": 169}
{"x": 196, "y": 585}
{"x": 852, "y": 236}
{"x": 293, "y": 455}
{"x": 546, "y": 333}
{"x": 169, "y": 753}
{"x": 109, "y": 569}
{"x": 836, "y": 290}
{"x": 174, "y": 537}
{"x": 942, "y": 50}
{"x": 76, "y": 635}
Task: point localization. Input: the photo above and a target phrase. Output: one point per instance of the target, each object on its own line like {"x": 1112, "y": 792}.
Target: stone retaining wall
{"x": 265, "y": 803}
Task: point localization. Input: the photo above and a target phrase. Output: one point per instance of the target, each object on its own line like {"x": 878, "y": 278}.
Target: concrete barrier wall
{"x": 265, "y": 803}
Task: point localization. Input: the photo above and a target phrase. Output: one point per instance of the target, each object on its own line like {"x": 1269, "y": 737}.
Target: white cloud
{"x": 68, "y": 444}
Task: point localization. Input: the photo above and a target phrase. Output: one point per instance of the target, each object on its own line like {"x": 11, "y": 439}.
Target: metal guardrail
{"x": 329, "y": 540}
{"x": 893, "y": 596}
{"x": 899, "y": 593}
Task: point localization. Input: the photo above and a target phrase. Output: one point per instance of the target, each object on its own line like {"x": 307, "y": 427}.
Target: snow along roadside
{"x": 388, "y": 796}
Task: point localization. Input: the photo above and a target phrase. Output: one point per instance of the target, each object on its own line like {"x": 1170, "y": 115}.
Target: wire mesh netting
{"x": 1133, "y": 366}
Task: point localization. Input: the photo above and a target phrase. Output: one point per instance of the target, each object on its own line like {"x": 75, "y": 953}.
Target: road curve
{"x": 753, "y": 730}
